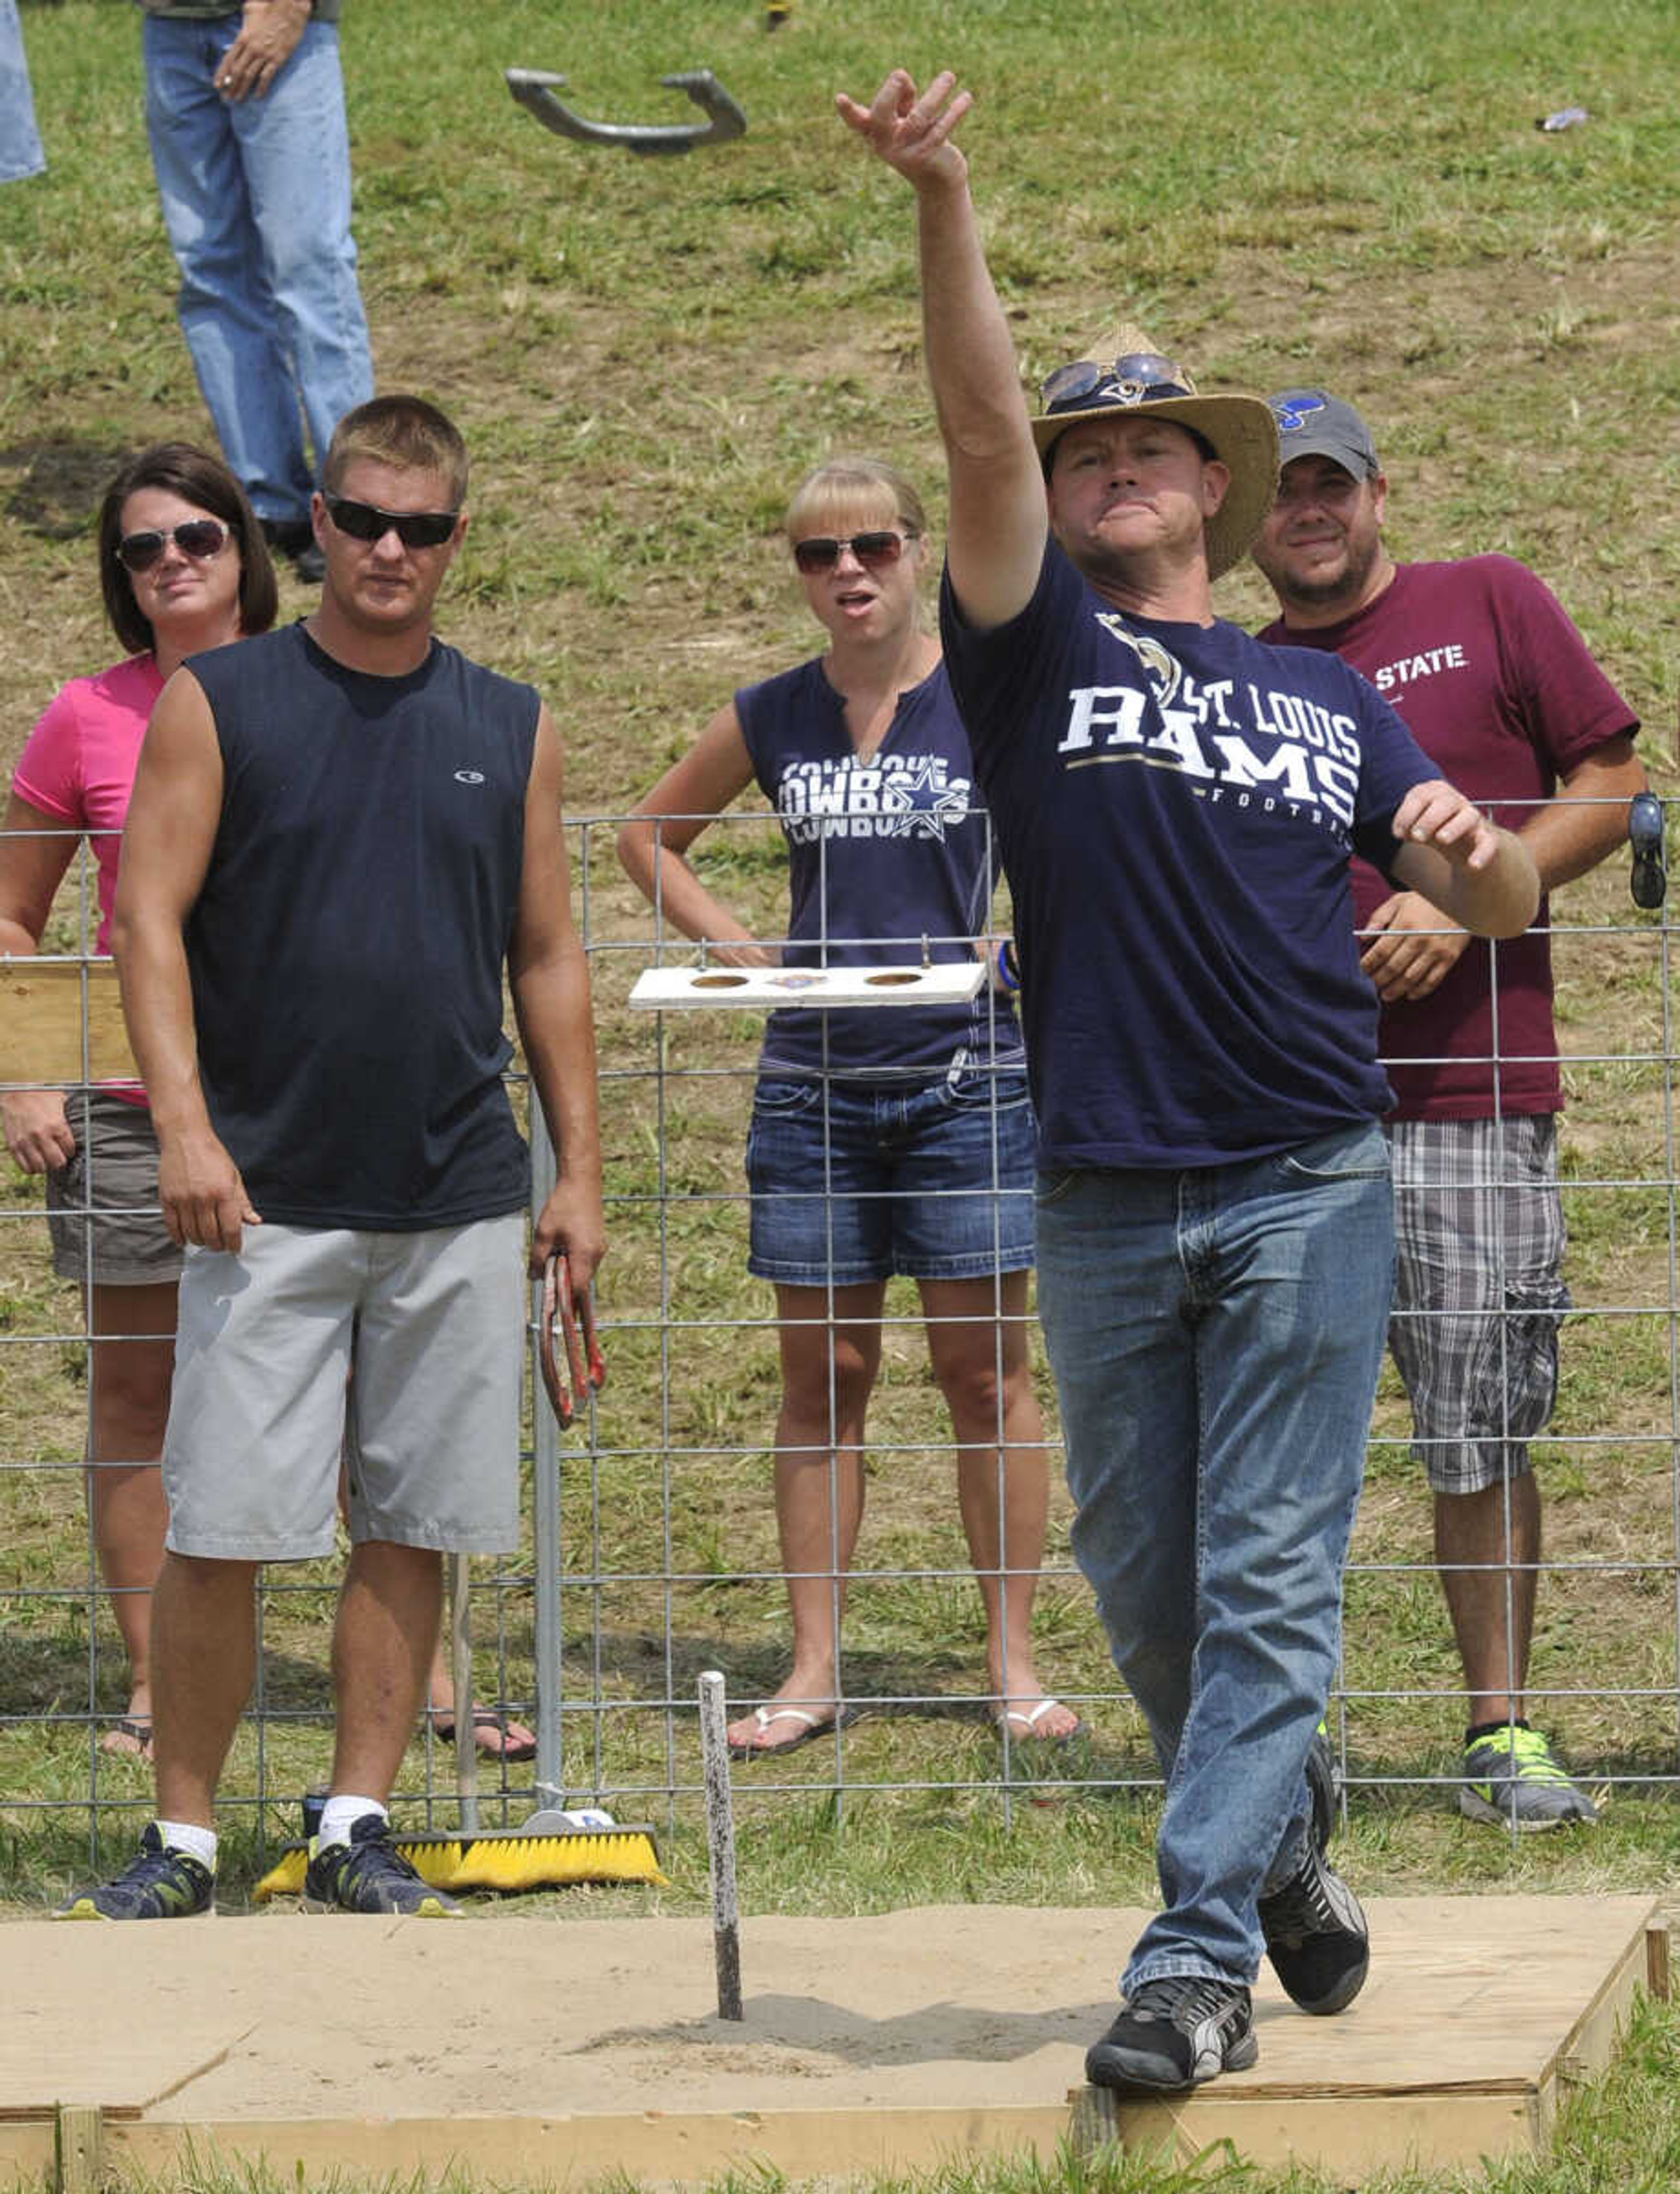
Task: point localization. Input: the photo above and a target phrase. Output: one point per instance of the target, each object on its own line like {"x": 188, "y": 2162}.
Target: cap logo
{"x": 1293, "y": 413}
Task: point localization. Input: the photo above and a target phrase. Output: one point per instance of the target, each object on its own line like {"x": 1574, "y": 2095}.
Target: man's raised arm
{"x": 167, "y": 842}
{"x": 998, "y": 519}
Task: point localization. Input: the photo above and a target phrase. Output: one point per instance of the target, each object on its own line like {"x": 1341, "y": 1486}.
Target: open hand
{"x": 912, "y": 133}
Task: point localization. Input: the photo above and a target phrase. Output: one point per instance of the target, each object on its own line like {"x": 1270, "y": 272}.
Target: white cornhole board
{"x": 665, "y": 989}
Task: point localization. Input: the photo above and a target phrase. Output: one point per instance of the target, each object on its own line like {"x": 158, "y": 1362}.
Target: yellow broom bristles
{"x": 504, "y": 1859}
{"x": 507, "y": 1860}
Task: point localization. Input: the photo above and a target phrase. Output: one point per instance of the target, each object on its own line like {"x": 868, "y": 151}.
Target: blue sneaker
{"x": 369, "y": 1874}
{"x": 161, "y": 1884}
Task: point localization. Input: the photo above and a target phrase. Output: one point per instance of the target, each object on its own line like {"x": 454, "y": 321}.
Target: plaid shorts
{"x": 1478, "y": 1291}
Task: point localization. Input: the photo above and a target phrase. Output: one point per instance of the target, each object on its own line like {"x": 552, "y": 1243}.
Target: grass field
{"x": 643, "y": 355}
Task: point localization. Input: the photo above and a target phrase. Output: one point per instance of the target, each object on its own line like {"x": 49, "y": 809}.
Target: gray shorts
{"x": 400, "y": 1352}
{"x": 1478, "y": 1291}
{"x": 102, "y": 1207}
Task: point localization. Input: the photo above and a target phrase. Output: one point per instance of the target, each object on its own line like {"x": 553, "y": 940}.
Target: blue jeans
{"x": 1215, "y": 1336}
{"x": 257, "y": 204}
{"x": 20, "y": 153}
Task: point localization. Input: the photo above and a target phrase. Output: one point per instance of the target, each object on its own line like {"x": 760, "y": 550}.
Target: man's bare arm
{"x": 998, "y": 521}
{"x": 167, "y": 841}
{"x": 1417, "y": 944}
{"x": 549, "y": 979}
{"x": 1568, "y": 837}
{"x": 1478, "y": 874}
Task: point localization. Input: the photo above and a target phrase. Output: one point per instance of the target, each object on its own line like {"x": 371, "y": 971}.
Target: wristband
{"x": 1008, "y": 966}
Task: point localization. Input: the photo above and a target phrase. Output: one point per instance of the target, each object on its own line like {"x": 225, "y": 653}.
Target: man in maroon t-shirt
{"x": 1497, "y": 687}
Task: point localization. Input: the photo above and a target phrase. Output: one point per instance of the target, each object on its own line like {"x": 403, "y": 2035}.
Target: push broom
{"x": 552, "y": 1848}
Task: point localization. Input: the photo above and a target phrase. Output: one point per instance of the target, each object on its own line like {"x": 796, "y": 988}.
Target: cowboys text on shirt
{"x": 905, "y": 797}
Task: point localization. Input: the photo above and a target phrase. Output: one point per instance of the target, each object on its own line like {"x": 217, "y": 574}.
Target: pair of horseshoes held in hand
{"x": 565, "y": 1313}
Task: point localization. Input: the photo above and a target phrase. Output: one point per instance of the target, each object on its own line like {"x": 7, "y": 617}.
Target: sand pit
{"x": 514, "y": 2043}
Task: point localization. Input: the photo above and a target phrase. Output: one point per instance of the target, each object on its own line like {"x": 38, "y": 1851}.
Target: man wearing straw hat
{"x": 1177, "y": 806}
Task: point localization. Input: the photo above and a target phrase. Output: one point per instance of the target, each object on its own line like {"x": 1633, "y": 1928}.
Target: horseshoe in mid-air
{"x": 534, "y": 89}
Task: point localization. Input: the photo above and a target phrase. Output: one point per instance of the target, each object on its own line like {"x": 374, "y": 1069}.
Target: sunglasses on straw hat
{"x": 1141, "y": 377}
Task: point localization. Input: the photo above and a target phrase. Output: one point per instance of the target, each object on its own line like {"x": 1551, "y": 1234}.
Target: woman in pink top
{"x": 183, "y": 568}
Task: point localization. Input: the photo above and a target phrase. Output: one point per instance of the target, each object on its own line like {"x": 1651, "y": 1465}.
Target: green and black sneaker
{"x": 368, "y": 1873}
{"x": 161, "y": 1884}
{"x": 1513, "y": 1778}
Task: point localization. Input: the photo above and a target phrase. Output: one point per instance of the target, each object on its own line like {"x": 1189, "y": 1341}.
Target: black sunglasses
{"x": 197, "y": 537}
{"x": 1140, "y": 377}
{"x": 874, "y": 551}
{"x": 1650, "y": 882}
{"x": 366, "y": 521}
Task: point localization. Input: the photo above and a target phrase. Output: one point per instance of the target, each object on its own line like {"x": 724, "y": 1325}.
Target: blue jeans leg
{"x": 20, "y": 153}
{"x": 255, "y": 196}
{"x": 1215, "y": 1336}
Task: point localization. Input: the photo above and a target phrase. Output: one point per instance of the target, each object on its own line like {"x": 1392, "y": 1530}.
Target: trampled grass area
{"x": 643, "y": 355}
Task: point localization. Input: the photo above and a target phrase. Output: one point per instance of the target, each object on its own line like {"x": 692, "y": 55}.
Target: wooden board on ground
{"x": 43, "y": 1003}
{"x": 535, "y": 2046}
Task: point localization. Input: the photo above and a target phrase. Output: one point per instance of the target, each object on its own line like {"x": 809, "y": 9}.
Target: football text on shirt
{"x": 1294, "y": 750}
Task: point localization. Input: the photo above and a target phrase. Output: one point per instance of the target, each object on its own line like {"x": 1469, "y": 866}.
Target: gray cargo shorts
{"x": 103, "y": 1204}
{"x": 400, "y": 1352}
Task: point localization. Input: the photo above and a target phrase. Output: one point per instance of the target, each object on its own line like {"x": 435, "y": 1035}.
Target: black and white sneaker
{"x": 1324, "y": 1786}
{"x": 1316, "y": 1936}
{"x": 1173, "y": 2033}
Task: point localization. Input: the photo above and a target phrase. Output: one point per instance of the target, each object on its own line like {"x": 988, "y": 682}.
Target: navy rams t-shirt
{"x": 881, "y": 854}
{"x": 1176, "y": 804}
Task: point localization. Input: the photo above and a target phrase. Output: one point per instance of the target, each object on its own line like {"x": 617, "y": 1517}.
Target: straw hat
{"x": 1239, "y": 429}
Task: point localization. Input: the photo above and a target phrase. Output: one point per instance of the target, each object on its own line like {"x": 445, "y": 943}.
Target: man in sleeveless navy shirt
{"x": 339, "y": 835}
{"x": 1176, "y": 807}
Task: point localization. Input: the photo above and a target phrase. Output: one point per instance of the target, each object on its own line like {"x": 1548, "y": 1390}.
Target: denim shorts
{"x": 853, "y": 1181}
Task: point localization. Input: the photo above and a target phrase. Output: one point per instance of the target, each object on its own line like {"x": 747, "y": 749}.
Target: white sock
{"x": 340, "y": 1813}
{"x": 187, "y": 1836}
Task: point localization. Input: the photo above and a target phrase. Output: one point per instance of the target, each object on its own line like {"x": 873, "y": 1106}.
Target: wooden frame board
{"x": 542, "y": 2048}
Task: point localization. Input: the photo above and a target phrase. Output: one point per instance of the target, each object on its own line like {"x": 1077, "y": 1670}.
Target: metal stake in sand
{"x": 720, "y": 1844}
{"x": 461, "y": 1672}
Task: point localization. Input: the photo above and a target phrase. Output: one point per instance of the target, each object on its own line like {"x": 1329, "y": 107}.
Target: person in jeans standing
{"x": 244, "y": 111}
{"x": 1177, "y": 806}
{"x": 20, "y": 154}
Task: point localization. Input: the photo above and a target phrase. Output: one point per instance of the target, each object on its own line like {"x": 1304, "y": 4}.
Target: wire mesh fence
{"x": 652, "y": 1550}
